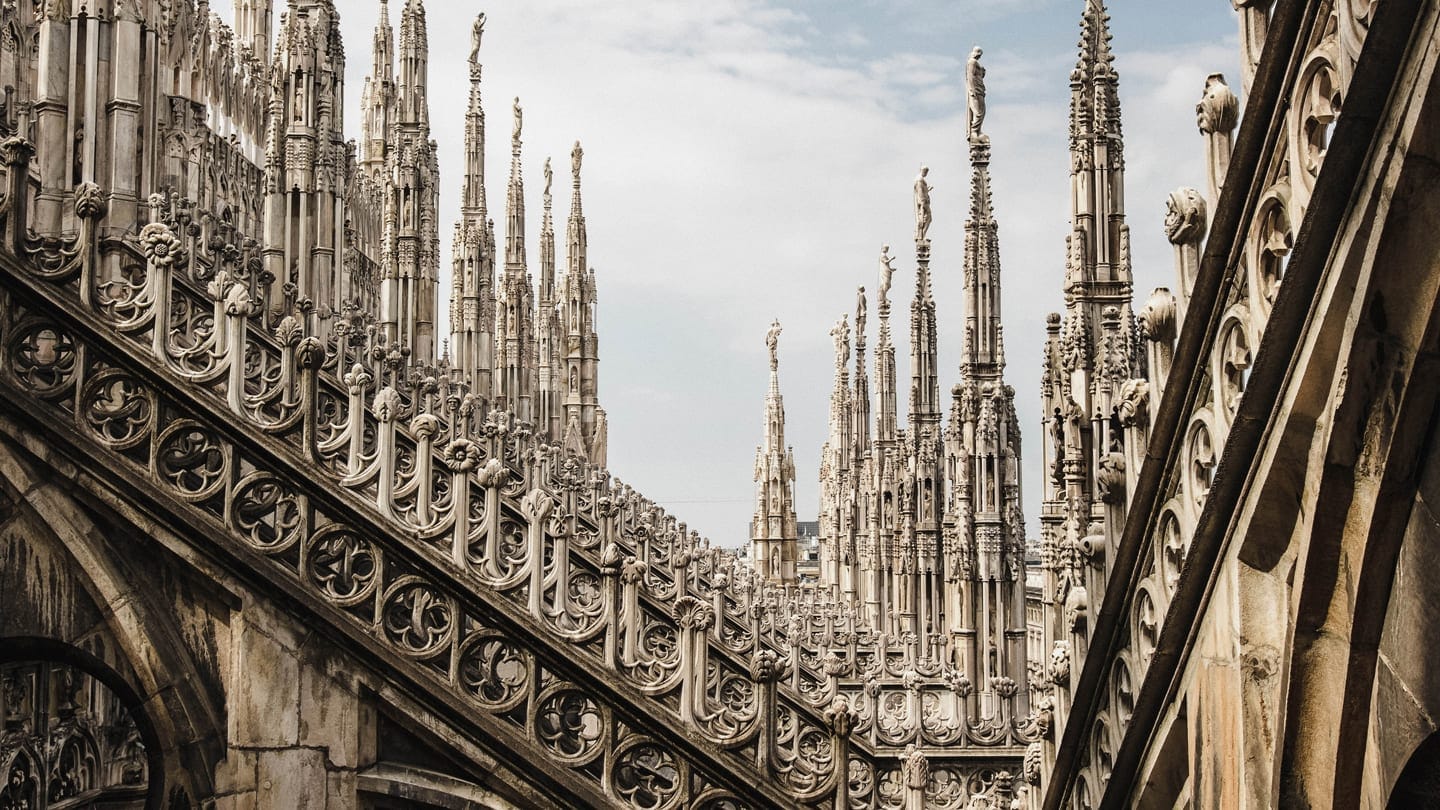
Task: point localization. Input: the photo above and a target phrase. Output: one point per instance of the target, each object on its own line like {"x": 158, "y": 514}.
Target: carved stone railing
{"x": 495, "y": 572}
{"x": 1231, "y": 315}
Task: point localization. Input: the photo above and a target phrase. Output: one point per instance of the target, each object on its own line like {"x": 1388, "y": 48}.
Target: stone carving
{"x": 887, "y": 272}
{"x": 840, "y": 334}
{"x": 477, "y": 32}
{"x": 915, "y": 767}
{"x": 975, "y": 95}
{"x": 772, "y": 343}
{"x": 1060, "y": 664}
{"x": 922, "y": 205}
{"x": 1184, "y": 216}
{"x": 1134, "y": 403}
{"x": 1219, "y": 109}
{"x": 1216, "y": 115}
{"x": 1110, "y": 478}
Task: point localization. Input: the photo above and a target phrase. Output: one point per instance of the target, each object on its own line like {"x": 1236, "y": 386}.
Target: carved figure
{"x": 840, "y": 333}
{"x": 519, "y": 123}
{"x": 975, "y": 94}
{"x": 576, "y": 154}
{"x": 772, "y": 342}
{"x": 1134, "y": 402}
{"x": 476, "y": 33}
{"x": 549, "y": 175}
{"x": 922, "y": 205}
{"x": 886, "y": 272}
{"x": 860, "y": 306}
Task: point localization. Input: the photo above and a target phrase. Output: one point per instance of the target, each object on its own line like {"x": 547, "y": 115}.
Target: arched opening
{"x": 1419, "y": 782}
{"x": 72, "y": 733}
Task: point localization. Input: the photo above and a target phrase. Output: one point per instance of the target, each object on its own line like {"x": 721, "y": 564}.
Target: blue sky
{"x": 746, "y": 159}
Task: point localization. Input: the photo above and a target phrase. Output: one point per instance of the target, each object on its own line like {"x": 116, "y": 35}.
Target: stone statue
{"x": 922, "y": 205}
{"x": 840, "y": 333}
{"x": 772, "y": 341}
{"x": 860, "y": 306}
{"x": 476, "y": 34}
{"x": 886, "y": 272}
{"x": 975, "y": 94}
{"x": 576, "y": 154}
{"x": 519, "y": 123}
{"x": 549, "y": 175}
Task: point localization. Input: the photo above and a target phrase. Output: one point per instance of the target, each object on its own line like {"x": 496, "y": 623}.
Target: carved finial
{"x": 922, "y": 205}
{"x": 1219, "y": 109}
{"x": 1184, "y": 216}
{"x": 975, "y": 95}
{"x": 772, "y": 342}
{"x": 476, "y": 33}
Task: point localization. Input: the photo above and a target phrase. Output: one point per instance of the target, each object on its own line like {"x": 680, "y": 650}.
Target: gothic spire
{"x": 516, "y": 347}
{"x": 982, "y": 355}
{"x": 575, "y": 229}
{"x": 885, "y": 427}
{"x": 773, "y": 530}
{"x": 515, "y": 201}
{"x": 1096, "y": 110}
{"x": 924, "y": 376}
{"x": 547, "y": 246}
{"x": 1099, "y": 261}
{"x": 414, "y": 59}
{"x": 377, "y": 95}
{"x": 861, "y": 397}
{"x": 472, "y": 202}
{"x": 582, "y": 345}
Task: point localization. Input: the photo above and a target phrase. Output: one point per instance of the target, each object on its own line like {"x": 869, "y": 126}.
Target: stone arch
{"x": 1419, "y": 782}
{"x": 95, "y": 611}
{"x": 22, "y": 649}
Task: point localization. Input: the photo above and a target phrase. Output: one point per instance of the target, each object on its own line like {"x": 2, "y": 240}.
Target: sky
{"x": 746, "y": 159}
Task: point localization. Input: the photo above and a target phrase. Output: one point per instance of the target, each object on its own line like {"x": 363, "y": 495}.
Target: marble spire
{"x": 773, "y": 532}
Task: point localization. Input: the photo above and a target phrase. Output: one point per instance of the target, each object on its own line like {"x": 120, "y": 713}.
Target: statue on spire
{"x": 772, "y": 342}
{"x": 476, "y": 33}
{"x": 519, "y": 123}
{"x": 922, "y": 205}
{"x": 975, "y": 94}
{"x": 576, "y": 154}
{"x": 840, "y": 333}
{"x": 860, "y": 311}
{"x": 549, "y": 175}
{"x": 886, "y": 272}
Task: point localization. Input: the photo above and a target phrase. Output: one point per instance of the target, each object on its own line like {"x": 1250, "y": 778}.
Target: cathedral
{"x": 270, "y": 536}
